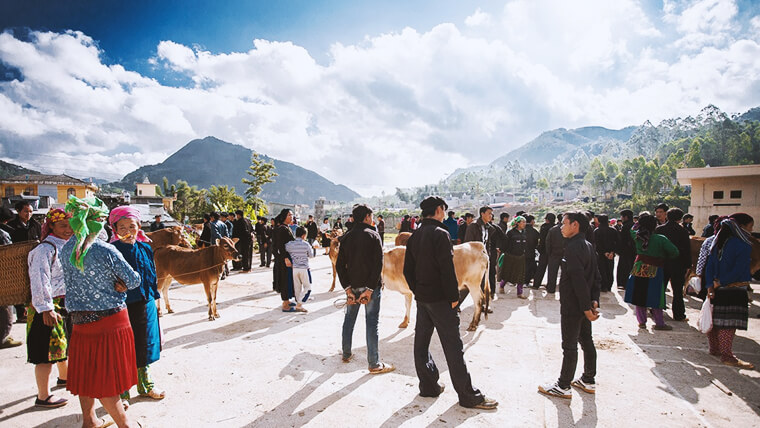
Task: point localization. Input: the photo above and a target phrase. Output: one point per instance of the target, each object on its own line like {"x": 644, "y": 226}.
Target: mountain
{"x": 211, "y": 161}
{"x": 9, "y": 170}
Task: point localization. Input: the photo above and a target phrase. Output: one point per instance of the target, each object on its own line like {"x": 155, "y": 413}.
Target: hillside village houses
{"x": 44, "y": 189}
{"x": 722, "y": 190}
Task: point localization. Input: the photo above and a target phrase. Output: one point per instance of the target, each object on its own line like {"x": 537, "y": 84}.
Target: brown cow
{"x": 189, "y": 266}
{"x": 402, "y": 238}
{"x": 470, "y": 264}
{"x": 334, "y": 248}
{"x": 168, "y": 236}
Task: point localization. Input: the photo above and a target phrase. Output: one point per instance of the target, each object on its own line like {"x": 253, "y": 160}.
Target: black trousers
{"x": 625, "y": 264}
{"x": 576, "y": 329}
{"x": 245, "y": 248}
{"x": 552, "y": 263}
{"x": 676, "y": 275}
{"x": 441, "y": 317}
{"x": 265, "y": 253}
{"x": 606, "y": 266}
{"x": 6, "y": 322}
{"x": 530, "y": 266}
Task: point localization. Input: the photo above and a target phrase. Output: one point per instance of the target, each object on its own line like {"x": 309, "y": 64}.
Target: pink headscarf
{"x": 126, "y": 211}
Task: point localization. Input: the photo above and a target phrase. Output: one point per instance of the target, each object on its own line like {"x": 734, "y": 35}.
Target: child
{"x": 300, "y": 251}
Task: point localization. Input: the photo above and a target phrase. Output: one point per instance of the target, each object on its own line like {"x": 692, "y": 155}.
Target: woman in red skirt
{"x": 102, "y": 349}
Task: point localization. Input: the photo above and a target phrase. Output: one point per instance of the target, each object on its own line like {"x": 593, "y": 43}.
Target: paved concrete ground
{"x": 257, "y": 366}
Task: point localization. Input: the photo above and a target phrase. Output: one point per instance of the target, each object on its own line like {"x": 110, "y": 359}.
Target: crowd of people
{"x": 93, "y": 313}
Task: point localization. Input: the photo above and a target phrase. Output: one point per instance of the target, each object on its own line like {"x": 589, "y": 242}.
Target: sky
{"x": 373, "y": 95}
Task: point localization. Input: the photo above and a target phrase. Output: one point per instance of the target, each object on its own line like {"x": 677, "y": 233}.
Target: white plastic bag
{"x": 705, "y": 317}
{"x": 696, "y": 284}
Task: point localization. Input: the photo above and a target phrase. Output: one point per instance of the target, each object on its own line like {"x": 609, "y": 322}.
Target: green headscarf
{"x": 87, "y": 218}
{"x": 513, "y": 223}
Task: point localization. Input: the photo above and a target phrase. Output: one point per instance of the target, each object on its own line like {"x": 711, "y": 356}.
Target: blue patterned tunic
{"x": 93, "y": 289}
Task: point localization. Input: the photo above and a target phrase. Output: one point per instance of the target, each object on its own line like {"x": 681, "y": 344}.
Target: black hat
{"x": 431, "y": 202}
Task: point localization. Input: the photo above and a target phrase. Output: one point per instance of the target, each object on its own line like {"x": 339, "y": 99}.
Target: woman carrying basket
{"x": 48, "y": 325}
{"x": 102, "y": 349}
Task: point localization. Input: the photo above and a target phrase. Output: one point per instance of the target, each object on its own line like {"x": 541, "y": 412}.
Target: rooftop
{"x": 685, "y": 175}
{"x": 47, "y": 179}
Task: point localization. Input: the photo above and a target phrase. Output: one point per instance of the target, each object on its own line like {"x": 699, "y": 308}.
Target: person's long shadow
{"x": 263, "y": 324}
{"x": 611, "y": 305}
{"x": 565, "y": 418}
{"x": 686, "y": 372}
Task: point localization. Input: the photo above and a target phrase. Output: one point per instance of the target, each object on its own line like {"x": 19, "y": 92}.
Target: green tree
{"x": 693, "y": 158}
{"x": 260, "y": 172}
{"x": 224, "y": 199}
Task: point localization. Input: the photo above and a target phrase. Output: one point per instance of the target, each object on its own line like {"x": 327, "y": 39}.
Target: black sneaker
{"x": 486, "y": 404}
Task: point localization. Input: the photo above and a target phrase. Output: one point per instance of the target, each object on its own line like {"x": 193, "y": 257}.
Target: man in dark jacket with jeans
{"x": 429, "y": 270}
{"x": 675, "y": 269}
{"x": 359, "y": 267}
{"x": 579, "y": 290}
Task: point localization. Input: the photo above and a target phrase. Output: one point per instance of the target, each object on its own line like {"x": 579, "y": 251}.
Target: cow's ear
{"x": 217, "y": 241}
{"x": 235, "y": 240}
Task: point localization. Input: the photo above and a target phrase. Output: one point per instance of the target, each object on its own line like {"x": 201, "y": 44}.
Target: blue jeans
{"x": 372, "y": 315}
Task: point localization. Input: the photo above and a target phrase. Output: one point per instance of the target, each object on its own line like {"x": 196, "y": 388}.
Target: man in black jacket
{"x": 543, "y": 254}
{"x": 606, "y": 239}
{"x": 555, "y": 247}
{"x": 462, "y": 231}
{"x": 359, "y": 266}
{"x": 483, "y": 231}
{"x": 532, "y": 237}
{"x": 243, "y": 231}
{"x": 675, "y": 269}
{"x": 579, "y": 299}
{"x": 312, "y": 230}
{"x": 626, "y": 250}
{"x": 429, "y": 271}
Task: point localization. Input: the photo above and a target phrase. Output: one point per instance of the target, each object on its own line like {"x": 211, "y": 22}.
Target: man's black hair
{"x": 300, "y": 231}
{"x": 484, "y": 209}
{"x": 451, "y": 214}
{"x": 360, "y": 212}
{"x": 551, "y": 217}
{"x": 662, "y": 206}
{"x": 578, "y": 217}
{"x": 207, "y": 217}
{"x": 502, "y": 216}
{"x": 216, "y": 215}
{"x": 18, "y": 206}
{"x": 675, "y": 214}
{"x": 604, "y": 219}
{"x": 239, "y": 212}
{"x": 626, "y": 213}
{"x": 687, "y": 215}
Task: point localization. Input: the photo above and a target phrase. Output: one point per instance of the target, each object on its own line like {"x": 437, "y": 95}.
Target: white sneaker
{"x": 554, "y": 390}
{"x": 584, "y": 386}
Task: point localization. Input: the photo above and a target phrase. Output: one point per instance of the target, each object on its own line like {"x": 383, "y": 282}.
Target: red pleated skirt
{"x": 102, "y": 357}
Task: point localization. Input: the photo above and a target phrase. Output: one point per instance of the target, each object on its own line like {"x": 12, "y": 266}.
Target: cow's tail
{"x": 488, "y": 285}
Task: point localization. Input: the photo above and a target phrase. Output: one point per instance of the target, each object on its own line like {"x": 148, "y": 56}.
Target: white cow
{"x": 470, "y": 264}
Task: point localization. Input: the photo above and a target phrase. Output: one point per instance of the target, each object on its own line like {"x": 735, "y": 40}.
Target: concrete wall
{"x": 703, "y": 204}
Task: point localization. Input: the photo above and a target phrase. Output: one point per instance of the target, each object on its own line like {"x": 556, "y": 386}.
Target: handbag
{"x": 705, "y": 317}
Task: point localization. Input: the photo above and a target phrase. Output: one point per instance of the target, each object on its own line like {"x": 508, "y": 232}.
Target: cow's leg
{"x": 332, "y": 287}
{"x": 477, "y": 300}
{"x": 214, "y": 287}
{"x": 408, "y": 303}
{"x": 163, "y": 286}
{"x": 207, "y": 289}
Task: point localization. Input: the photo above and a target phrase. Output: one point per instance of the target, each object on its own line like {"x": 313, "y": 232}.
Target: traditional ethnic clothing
{"x": 47, "y": 344}
{"x": 143, "y": 315}
{"x": 646, "y": 288}
{"x": 122, "y": 212}
{"x": 102, "y": 349}
{"x": 730, "y": 267}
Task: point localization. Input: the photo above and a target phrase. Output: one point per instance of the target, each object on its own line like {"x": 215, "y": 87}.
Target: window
{"x": 736, "y": 194}
{"x": 29, "y": 191}
{"x": 10, "y": 191}
{"x": 718, "y": 194}
{"x": 71, "y": 192}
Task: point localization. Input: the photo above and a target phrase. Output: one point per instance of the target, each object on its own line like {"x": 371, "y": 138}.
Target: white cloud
{"x": 477, "y": 19}
{"x": 396, "y": 109}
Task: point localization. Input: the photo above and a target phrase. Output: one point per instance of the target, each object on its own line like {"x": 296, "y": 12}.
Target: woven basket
{"x": 14, "y": 273}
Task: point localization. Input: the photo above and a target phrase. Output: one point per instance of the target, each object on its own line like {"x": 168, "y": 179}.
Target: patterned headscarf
{"x": 518, "y": 219}
{"x": 87, "y": 218}
{"x": 53, "y": 216}
{"x": 126, "y": 211}
{"x": 735, "y": 230}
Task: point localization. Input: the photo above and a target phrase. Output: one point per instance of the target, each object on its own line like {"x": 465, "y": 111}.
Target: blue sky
{"x": 373, "y": 95}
